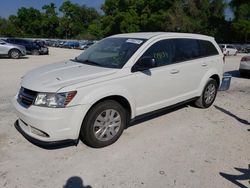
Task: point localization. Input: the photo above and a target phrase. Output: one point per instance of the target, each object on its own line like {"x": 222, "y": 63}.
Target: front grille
{"x": 26, "y": 97}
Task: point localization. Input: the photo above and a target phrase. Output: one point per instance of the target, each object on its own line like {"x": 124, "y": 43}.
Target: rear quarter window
{"x": 186, "y": 49}
{"x": 207, "y": 48}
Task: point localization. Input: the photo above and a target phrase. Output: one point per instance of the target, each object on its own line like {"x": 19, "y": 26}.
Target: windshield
{"x": 110, "y": 52}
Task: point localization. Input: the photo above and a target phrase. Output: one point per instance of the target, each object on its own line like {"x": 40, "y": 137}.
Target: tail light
{"x": 246, "y": 58}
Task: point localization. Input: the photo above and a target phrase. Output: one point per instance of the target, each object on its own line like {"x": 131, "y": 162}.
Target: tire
{"x": 100, "y": 129}
{"x": 35, "y": 52}
{"x": 205, "y": 101}
{"x": 14, "y": 54}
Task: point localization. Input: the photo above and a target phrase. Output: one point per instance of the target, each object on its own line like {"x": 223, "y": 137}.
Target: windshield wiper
{"x": 87, "y": 61}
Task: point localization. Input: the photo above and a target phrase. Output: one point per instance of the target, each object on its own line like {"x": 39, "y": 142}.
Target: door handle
{"x": 174, "y": 71}
{"x": 204, "y": 64}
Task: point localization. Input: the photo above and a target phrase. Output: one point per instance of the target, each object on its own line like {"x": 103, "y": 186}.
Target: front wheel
{"x": 104, "y": 124}
{"x": 15, "y": 54}
{"x": 208, "y": 95}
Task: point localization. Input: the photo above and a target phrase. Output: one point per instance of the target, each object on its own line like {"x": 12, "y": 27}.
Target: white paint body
{"x": 144, "y": 92}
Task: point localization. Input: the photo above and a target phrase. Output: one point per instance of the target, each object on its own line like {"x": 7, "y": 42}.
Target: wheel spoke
{"x": 100, "y": 118}
{"x": 107, "y": 125}
{"x": 209, "y": 94}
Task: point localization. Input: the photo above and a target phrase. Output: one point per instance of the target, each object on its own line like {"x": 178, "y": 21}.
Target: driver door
{"x": 160, "y": 86}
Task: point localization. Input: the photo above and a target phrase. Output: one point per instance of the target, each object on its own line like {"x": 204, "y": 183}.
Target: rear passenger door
{"x": 192, "y": 67}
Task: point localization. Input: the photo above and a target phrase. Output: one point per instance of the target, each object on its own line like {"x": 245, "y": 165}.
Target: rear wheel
{"x": 15, "y": 54}
{"x": 208, "y": 95}
{"x": 103, "y": 124}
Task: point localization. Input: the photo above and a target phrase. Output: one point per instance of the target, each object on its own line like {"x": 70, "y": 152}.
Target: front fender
{"x": 94, "y": 95}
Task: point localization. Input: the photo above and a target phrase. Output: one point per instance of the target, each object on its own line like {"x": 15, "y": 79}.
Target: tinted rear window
{"x": 207, "y": 48}
{"x": 186, "y": 49}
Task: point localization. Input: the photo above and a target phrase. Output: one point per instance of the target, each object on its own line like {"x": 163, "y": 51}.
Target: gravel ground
{"x": 187, "y": 147}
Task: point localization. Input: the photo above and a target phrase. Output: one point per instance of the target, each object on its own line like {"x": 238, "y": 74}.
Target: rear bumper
{"x": 244, "y": 66}
{"x": 247, "y": 71}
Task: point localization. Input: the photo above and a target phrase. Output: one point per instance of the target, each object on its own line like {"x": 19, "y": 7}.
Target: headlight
{"x": 54, "y": 100}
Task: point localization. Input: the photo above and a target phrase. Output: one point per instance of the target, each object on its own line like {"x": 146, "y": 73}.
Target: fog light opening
{"x": 38, "y": 132}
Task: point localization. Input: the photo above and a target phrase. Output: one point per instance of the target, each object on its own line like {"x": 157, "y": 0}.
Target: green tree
{"x": 241, "y": 23}
{"x": 50, "y": 21}
{"x": 75, "y": 19}
{"x": 28, "y": 20}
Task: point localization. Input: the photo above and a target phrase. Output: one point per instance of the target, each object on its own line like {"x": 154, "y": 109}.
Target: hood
{"x": 51, "y": 78}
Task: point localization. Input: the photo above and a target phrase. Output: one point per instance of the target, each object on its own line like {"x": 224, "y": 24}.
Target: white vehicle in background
{"x": 245, "y": 66}
{"x": 228, "y": 49}
{"x": 96, "y": 95}
{"x": 11, "y": 50}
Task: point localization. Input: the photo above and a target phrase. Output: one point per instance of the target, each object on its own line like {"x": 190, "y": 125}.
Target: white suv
{"x": 97, "y": 94}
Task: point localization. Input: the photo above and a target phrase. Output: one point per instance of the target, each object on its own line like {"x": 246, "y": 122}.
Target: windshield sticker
{"x": 135, "y": 41}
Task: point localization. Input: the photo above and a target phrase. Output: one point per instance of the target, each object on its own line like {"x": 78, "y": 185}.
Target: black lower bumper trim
{"x": 245, "y": 71}
{"x": 44, "y": 144}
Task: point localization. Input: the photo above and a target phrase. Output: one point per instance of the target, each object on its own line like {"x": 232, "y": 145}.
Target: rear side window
{"x": 186, "y": 49}
{"x": 207, "y": 48}
{"x": 172, "y": 51}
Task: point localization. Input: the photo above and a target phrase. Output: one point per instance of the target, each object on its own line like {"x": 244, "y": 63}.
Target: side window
{"x": 207, "y": 48}
{"x": 18, "y": 41}
{"x": 186, "y": 49}
{"x": 162, "y": 52}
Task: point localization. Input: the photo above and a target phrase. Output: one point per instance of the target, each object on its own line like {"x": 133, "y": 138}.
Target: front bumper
{"x": 56, "y": 123}
{"x": 46, "y": 144}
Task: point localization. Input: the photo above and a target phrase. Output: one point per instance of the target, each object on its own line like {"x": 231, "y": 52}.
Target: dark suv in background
{"x": 32, "y": 47}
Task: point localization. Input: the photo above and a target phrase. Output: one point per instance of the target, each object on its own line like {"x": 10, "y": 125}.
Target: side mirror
{"x": 145, "y": 63}
{"x": 2, "y": 43}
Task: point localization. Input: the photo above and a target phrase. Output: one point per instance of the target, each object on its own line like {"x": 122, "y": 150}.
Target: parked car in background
{"x": 245, "y": 66}
{"x": 11, "y": 50}
{"x": 98, "y": 93}
{"x": 44, "y": 49}
{"x": 247, "y": 48}
{"x": 61, "y": 43}
{"x": 84, "y": 46}
{"x": 228, "y": 49}
{"x": 31, "y": 46}
{"x": 71, "y": 44}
